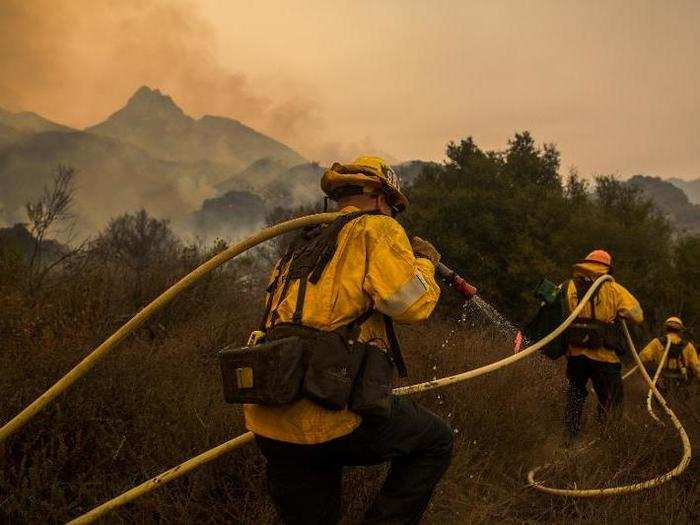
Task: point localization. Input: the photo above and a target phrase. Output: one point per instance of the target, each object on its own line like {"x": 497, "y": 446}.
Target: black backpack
{"x": 676, "y": 350}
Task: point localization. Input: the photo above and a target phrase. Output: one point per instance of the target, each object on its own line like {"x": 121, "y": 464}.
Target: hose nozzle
{"x": 456, "y": 281}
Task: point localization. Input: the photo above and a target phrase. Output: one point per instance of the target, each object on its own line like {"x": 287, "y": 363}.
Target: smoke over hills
{"x": 211, "y": 176}
{"x": 148, "y": 154}
{"x": 95, "y": 50}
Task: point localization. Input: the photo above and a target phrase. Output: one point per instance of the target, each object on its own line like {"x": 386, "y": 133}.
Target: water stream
{"x": 498, "y": 320}
{"x": 479, "y": 314}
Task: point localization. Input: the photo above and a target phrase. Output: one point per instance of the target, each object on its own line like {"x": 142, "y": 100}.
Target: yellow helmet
{"x": 674, "y": 323}
{"x": 364, "y": 175}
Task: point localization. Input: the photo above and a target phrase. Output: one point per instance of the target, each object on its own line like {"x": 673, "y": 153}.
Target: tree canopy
{"x": 506, "y": 219}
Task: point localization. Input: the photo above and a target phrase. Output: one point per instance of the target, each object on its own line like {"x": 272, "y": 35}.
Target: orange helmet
{"x": 599, "y": 256}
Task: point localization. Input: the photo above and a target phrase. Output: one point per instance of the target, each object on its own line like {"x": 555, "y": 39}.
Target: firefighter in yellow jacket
{"x": 372, "y": 275}
{"x": 682, "y": 360}
{"x": 594, "y": 341}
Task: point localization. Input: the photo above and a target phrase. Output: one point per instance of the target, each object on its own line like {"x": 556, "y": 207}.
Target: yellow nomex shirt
{"x": 612, "y": 301}
{"x": 373, "y": 266}
{"x": 654, "y": 351}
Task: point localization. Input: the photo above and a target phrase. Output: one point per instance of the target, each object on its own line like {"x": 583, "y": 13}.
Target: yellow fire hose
{"x": 226, "y": 447}
{"x": 635, "y": 487}
{"x": 471, "y": 374}
{"x": 630, "y": 372}
{"x": 660, "y": 369}
{"x": 88, "y": 362}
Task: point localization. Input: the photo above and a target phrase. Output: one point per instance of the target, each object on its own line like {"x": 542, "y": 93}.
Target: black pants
{"x": 607, "y": 384}
{"x": 305, "y": 480}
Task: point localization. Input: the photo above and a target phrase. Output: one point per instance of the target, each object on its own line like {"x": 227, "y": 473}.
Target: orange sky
{"x": 614, "y": 84}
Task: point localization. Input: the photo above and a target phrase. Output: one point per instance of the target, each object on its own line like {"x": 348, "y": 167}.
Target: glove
{"x": 422, "y": 248}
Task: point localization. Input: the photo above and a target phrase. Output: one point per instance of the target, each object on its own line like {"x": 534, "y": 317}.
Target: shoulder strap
{"x": 564, "y": 298}
{"x": 272, "y": 287}
{"x": 394, "y": 347}
{"x": 301, "y": 297}
{"x": 582, "y": 286}
{"x": 308, "y": 257}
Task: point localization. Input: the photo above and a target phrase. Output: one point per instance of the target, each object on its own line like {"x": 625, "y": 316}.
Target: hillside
{"x": 8, "y": 135}
{"x": 112, "y": 177}
{"x": 690, "y": 187}
{"x": 671, "y": 200}
{"x": 408, "y": 171}
{"x": 15, "y": 126}
{"x": 28, "y": 122}
{"x": 238, "y": 212}
{"x": 18, "y": 240}
{"x": 279, "y": 185}
{"x": 153, "y": 122}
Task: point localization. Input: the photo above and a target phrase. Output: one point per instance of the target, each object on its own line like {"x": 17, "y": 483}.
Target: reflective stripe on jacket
{"x": 654, "y": 351}
{"x": 373, "y": 266}
{"x": 612, "y": 301}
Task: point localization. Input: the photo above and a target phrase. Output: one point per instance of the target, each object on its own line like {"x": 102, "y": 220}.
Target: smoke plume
{"x": 76, "y": 62}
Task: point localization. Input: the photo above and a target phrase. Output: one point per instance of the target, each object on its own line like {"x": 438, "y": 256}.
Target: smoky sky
{"x": 614, "y": 84}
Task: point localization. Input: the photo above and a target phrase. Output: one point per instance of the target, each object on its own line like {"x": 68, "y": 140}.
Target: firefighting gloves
{"x": 422, "y": 248}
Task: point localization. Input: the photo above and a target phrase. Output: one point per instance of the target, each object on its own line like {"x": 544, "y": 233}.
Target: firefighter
{"x": 594, "y": 341}
{"x": 366, "y": 275}
{"x": 682, "y": 360}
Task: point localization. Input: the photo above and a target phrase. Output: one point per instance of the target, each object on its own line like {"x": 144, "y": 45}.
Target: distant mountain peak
{"x": 151, "y": 121}
{"x": 152, "y": 101}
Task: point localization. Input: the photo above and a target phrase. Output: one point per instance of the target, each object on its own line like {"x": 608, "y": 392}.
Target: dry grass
{"x": 156, "y": 401}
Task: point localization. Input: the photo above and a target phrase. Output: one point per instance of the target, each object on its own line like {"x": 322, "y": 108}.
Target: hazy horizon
{"x": 614, "y": 84}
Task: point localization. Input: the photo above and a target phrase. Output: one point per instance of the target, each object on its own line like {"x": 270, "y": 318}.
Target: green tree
{"x": 506, "y": 219}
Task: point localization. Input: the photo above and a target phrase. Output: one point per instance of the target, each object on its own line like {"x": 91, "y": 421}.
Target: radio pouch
{"x": 270, "y": 373}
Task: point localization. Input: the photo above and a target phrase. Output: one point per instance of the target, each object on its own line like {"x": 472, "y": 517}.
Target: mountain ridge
{"x": 30, "y": 122}
{"x": 154, "y": 122}
{"x": 670, "y": 200}
{"x": 690, "y": 187}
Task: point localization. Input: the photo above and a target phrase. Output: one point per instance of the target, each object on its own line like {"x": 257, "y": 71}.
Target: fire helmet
{"x": 674, "y": 323}
{"x": 365, "y": 175}
{"x": 600, "y": 256}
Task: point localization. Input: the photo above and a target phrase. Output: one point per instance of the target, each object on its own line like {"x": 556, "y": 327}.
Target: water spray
{"x": 470, "y": 292}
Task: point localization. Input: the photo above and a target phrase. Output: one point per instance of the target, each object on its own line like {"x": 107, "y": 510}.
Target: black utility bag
{"x": 676, "y": 350}
{"x": 371, "y": 395}
{"x": 270, "y": 373}
{"x": 330, "y": 363}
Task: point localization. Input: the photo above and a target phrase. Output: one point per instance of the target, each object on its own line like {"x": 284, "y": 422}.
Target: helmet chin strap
{"x": 377, "y": 207}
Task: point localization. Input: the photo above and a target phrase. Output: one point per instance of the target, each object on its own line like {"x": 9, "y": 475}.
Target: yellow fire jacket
{"x": 654, "y": 351}
{"x": 612, "y": 301}
{"x": 373, "y": 266}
